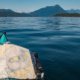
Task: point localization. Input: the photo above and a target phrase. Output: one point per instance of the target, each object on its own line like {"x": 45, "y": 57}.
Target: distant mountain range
{"x": 43, "y": 12}
{"x": 73, "y": 11}
{"x": 10, "y": 13}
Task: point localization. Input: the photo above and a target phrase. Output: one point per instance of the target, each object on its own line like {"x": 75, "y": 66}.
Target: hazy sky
{"x": 31, "y": 5}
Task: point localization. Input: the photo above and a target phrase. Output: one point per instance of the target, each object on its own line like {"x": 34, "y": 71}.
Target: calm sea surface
{"x": 57, "y": 40}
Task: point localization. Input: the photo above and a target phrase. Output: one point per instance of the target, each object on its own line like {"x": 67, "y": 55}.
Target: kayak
{"x": 18, "y": 63}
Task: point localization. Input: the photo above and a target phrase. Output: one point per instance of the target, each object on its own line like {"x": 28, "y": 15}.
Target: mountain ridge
{"x": 11, "y": 13}
{"x": 47, "y": 11}
{"x": 73, "y": 11}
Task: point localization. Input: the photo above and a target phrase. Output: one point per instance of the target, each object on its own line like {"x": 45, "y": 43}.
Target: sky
{"x": 32, "y": 5}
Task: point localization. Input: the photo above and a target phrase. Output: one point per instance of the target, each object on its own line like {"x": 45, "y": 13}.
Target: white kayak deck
{"x": 16, "y": 62}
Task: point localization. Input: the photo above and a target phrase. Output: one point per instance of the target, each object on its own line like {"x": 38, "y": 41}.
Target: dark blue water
{"x": 57, "y": 40}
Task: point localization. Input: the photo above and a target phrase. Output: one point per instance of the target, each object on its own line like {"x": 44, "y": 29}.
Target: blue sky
{"x": 31, "y": 5}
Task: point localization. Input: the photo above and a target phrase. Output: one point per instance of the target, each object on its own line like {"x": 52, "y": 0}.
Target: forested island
{"x": 68, "y": 15}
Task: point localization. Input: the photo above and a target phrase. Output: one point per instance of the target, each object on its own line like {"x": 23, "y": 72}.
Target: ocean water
{"x": 56, "y": 40}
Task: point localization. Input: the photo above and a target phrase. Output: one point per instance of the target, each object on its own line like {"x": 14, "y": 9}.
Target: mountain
{"x": 6, "y": 10}
{"x": 10, "y": 13}
{"x": 73, "y": 11}
{"x": 48, "y": 11}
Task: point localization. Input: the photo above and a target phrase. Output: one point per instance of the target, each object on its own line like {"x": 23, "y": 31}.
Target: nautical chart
{"x": 15, "y": 62}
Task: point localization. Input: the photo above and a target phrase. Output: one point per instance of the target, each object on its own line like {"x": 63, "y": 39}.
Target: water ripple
{"x": 57, "y": 40}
